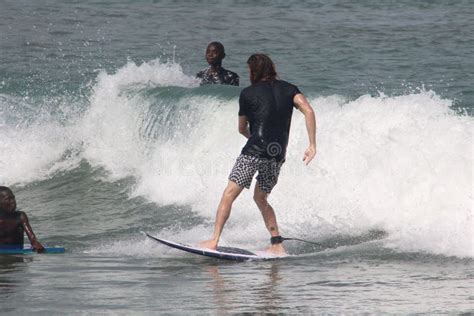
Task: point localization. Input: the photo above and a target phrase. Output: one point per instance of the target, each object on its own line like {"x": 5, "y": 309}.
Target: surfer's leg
{"x": 261, "y": 199}
{"x": 231, "y": 192}
{"x": 240, "y": 177}
{"x": 268, "y": 173}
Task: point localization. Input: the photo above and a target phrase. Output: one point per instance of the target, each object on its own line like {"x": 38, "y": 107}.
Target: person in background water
{"x": 13, "y": 223}
{"x": 265, "y": 110}
{"x": 215, "y": 73}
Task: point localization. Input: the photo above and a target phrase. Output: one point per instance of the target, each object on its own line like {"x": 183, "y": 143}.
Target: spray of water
{"x": 401, "y": 164}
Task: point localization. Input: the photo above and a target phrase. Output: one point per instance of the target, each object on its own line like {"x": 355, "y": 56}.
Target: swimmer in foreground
{"x": 14, "y": 223}
{"x": 215, "y": 73}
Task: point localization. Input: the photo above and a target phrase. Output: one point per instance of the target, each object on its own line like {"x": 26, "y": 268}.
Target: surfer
{"x": 265, "y": 110}
{"x": 14, "y": 223}
{"x": 215, "y": 73}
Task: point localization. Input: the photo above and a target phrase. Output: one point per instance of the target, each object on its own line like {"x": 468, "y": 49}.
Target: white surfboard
{"x": 225, "y": 253}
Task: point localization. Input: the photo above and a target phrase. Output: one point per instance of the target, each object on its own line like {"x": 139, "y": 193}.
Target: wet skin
{"x": 215, "y": 73}
{"x": 214, "y": 56}
{"x": 13, "y": 224}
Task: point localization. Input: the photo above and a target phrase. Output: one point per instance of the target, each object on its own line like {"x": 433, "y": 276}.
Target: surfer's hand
{"x": 309, "y": 154}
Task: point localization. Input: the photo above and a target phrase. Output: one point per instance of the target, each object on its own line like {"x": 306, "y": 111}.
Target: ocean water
{"x": 105, "y": 133}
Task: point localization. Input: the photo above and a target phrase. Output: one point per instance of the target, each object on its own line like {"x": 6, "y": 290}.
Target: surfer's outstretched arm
{"x": 310, "y": 118}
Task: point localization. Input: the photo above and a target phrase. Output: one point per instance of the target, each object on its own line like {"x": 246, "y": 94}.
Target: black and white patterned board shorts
{"x": 246, "y": 166}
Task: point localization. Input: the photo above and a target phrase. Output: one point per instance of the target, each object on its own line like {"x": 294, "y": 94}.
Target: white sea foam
{"x": 111, "y": 127}
{"x": 31, "y": 154}
{"x": 403, "y": 164}
{"x": 32, "y": 144}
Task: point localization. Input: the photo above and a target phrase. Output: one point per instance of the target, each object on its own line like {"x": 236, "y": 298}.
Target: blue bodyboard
{"x": 25, "y": 251}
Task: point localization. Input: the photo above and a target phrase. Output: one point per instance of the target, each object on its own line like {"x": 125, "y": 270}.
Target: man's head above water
{"x": 7, "y": 200}
{"x": 215, "y": 53}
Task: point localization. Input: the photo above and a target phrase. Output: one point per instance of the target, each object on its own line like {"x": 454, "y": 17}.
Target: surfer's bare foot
{"x": 209, "y": 244}
{"x": 277, "y": 249}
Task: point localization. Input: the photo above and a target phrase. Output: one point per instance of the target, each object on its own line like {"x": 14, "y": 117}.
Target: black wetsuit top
{"x": 11, "y": 229}
{"x": 268, "y": 107}
{"x": 222, "y": 76}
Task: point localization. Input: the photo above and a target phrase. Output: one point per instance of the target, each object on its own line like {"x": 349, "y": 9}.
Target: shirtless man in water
{"x": 13, "y": 223}
{"x": 215, "y": 73}
{"x": 265, "y": 110}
